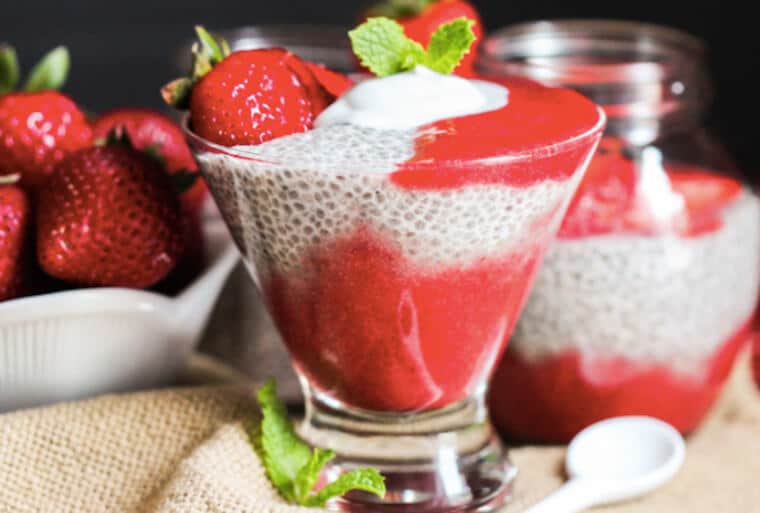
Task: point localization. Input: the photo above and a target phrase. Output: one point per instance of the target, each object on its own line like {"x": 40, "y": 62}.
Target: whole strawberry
{"x": 421, "y": 18}
{"x": 252, "y": 96}
{"x": 38, "y": 126}
{"x": 14, "y": 227}
{"x": 149, "y": 130}
{"x": 108, "y": 216}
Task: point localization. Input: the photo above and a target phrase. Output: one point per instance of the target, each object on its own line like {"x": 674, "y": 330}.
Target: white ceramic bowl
{"x": 74, "y": 344}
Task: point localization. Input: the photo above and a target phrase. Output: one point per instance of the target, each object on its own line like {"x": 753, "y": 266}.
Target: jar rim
{"x": 591, "y": 51}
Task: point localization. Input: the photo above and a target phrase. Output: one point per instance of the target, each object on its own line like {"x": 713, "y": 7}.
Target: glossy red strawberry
{"x": 421, "y": 18}
{"x": 37, "y": 130}
{"x": 108, "y": 216}
{"x": 148, "y": 129}
{"x": 192, "y": 261}
{"x": 14, "y": 227}
{"x": 38, "y": 126}
{"x": 248, "y": 97}
{"x": 333, "y": 82}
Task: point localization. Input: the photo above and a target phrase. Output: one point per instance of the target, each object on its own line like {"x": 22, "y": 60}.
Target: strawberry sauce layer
{"x": 559, "y": 396}
{"x": 609, "y": 199}
{"x": 536, "y": 122}
{"x": 374, "y": 333}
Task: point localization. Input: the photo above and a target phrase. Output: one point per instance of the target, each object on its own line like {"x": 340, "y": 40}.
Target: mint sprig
{"x": 291, "y": 464}
{"x": 384, "y": 49}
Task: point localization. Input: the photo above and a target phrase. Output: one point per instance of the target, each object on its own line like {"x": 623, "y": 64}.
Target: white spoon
{"x": 616, "y": 460}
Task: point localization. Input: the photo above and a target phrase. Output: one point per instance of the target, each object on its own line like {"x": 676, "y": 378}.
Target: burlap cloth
{"x": 185, "y": 450}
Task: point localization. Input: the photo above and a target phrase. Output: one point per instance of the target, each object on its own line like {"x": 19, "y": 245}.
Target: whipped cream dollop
{"x": 411, "y": 99}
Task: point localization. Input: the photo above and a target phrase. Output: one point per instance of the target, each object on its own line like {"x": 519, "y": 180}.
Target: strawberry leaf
{"x": 50, "y": 72}
{"x": 449, "y": 44}
{"x": 367, "y": 479}
{"x": 383, "y": 48}
{"x": 210, "y": 44}
{"x": 177, "y": 93}
{"x": 209, "y": 51}
{"x": 9, "y": 74}
{"x": 182, "y": 180}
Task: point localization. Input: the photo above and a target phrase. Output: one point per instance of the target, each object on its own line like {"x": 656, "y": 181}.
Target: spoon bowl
{"x": 615, "y": 460}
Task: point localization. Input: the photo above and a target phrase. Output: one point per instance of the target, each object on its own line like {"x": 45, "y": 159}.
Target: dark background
{"x": 122, "y": 51}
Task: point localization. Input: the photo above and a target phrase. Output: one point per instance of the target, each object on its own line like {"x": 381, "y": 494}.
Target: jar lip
{"x": 589, "y": 51}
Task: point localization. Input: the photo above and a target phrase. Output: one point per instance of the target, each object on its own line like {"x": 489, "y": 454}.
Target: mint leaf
{"x": 8, "y": 69}
{"x": 367, "y": 479}
{"x": 383, "y": 48}
{"x": 449, "y": 44}
{"x": 284, "y": 453}
{"x": 308, "y": 475}
{"x": 50, "y": 72}
{"x": 291, "y": 465}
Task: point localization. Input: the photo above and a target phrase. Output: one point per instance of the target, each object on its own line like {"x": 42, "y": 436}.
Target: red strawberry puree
{"x": 628, "y": 317}
{"x": 397, "y": 290}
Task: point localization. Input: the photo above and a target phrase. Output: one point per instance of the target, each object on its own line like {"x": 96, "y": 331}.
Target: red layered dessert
{"x": 395, "y": 262}
{"x": 642, "y": 303}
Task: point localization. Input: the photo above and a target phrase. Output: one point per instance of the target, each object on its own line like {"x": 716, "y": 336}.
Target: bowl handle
{"x": 194, "y": 304}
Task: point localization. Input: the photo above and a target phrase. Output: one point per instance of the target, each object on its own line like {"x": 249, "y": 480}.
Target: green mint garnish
{"x": 449, "y": 44}
{"x": 367, "y": 479}
{"x": 291, "y": 464}
{"x": 384, "y": 49}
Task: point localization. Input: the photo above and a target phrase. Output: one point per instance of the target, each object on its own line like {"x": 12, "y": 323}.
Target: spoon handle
{"x": 574, "y": 496}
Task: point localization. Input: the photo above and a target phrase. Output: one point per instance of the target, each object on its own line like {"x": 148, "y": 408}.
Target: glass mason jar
{"x": 395, "y": 264}
{"x": 647, "y": 294}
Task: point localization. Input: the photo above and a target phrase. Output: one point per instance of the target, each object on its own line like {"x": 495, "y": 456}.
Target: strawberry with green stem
{"x": 252, "y": 96}
{"x": 39, "y": 126}
{"x": 14, "y": 237}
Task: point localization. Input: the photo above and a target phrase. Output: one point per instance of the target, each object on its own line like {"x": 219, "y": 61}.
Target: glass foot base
{"x": 478, "y": 482}
{"x": 434, "y": 461}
